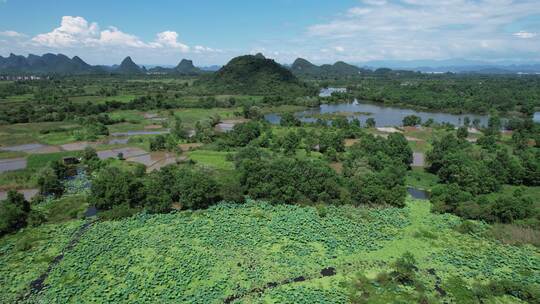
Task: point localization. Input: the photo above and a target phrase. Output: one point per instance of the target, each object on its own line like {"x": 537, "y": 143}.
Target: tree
{"x": 291, "y": 141}
{"x": 462, "y": 132}
{"x": 157, "y": 200}
{"x": 289, "y": 120}
{"x": 178, "y": 130}
{"x": 411, "y": 121}
{"x": 379, "y": 188}
{"x": 113, "y": 187}
{"x": 289, "y": 180}
{"x": 89, "y": 154}
{"x": 157, "y": 143}
{"x": 370, "y": 123}
{"x": 49, "y": 183}
{"x": 243, "y": 134}
{"x": 398, "y": 148}
{"x": 195, "y": 189}
{"x": 13, "y": 212}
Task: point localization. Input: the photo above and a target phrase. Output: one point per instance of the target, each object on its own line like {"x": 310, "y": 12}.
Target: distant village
{"x": 21, "y": 77}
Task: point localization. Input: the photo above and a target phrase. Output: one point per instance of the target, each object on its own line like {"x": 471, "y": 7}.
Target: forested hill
{"x": 46, "y": 64}
{"x": 185, "y": 67}
{"x": 59, "y": 64}
{"x": 255, "y": 75}
{"x": 303, "y": 68}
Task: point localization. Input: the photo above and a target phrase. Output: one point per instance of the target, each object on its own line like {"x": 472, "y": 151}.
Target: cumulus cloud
{"x": 430, "y": 29}
{"x": 77, "y": 32}
{"x": 170, "y": 39}
{"x": 72, "y": 31}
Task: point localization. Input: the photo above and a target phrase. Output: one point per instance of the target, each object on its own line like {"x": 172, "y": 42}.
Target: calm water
{"x": 12, "y": 164}
{"x": 384, "y": 116}
{"x": 418, "y": 194}
{"x": 134, "y": 133}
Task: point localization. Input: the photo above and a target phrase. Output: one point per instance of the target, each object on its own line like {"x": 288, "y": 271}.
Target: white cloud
{"x": 170, "y": 39}
{"x": 339, "y": 49}
{"x": 115, "y": 37}
{"x": 77, "y": 32}
{"x": 72, "y": 31}
{"x": 525, "y": 35}
{"x": 11, "y": 34}
{"x": 428, "y": 29}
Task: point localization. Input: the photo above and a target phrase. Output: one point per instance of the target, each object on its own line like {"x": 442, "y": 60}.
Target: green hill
{"x": 303, "y": 68}
{"x": 262, "y": 253}
{"x": 255, "y": 75}
{"x": 128, "y": 67}
{"x": 46, "y": 64}
{"x": 186, "y": 67}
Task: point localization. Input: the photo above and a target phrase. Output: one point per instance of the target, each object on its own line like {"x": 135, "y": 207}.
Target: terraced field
{"x": 259, "y": 253}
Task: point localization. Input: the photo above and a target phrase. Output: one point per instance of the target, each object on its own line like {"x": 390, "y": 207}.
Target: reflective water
{"x": 12, "y": 164}
{"x": 32, "y": 148}
{"x": 126, "y": 153}
{"x": 134, "y": 133}
{"x": 418, "y": 193}
{"x": 384, "y": 116}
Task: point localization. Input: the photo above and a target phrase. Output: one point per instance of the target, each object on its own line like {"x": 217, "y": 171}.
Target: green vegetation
{"x": 24, "y": 256}
{"x": 309, "y": 213}
{"x": 232, "y": 249}
{"x": 255, "y": 75}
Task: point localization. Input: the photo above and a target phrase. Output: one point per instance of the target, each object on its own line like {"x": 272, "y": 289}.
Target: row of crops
{"x": 228, "y": 250}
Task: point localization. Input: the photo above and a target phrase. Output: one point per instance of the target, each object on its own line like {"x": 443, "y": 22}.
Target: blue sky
{"x": 212, "y": 31}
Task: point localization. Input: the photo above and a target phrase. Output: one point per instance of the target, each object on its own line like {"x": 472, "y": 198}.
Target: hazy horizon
{"x": 211, "y": 32}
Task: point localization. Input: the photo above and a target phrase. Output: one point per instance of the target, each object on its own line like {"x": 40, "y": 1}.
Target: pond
{"x": 418, "y": 193}
{"x": 34, "y": 148}
{"x": 126, "y": 152}
{"x": 134, "y": 133}
{"x": 12, "y": 164}
{"x": 384, "y": 116}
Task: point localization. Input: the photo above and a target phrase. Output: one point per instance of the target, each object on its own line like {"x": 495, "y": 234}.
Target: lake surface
{"x": 418, "y": 193}
{"x": 384, "y": 116}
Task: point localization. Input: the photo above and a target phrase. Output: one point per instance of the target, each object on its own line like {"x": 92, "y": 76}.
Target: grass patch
{"x": 213, "y": 159}
{"x": 421, "y": 179}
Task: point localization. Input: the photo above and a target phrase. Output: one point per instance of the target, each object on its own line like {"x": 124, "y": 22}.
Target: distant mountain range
{"x": 455, "y": 66}
{"x": 46, "y": 64}
{"x": 302, "y": 67}
{"x": 185, "y": 67}
{"x": 63, "y": 65}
